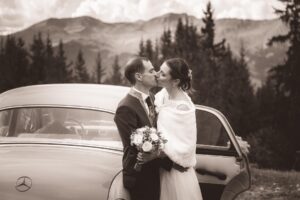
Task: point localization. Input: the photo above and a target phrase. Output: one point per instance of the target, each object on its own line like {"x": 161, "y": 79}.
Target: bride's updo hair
{"x": 179, "y": 69}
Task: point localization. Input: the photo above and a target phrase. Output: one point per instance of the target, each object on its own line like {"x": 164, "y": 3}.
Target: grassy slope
{"x": 272, "y": 184}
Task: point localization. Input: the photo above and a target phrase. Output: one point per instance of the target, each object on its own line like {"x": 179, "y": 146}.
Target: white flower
{"x": 139, "y": 131}
{"x": 137, "y": 139}
{"x": 153, "y": 137}
{"x": 147, "y": 146}
{"x": 161, "y": 146}
{"x": 153, "y": 130}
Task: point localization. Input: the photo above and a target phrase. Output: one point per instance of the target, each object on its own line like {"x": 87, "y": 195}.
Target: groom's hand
{"x": 161, "y": 154}
{"x": 146, "y": 157}
{"x": 179, "y": 167}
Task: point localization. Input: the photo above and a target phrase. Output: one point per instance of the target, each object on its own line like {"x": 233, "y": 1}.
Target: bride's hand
{"x": 146, "y": 157}
{"x": 161, "y": 154}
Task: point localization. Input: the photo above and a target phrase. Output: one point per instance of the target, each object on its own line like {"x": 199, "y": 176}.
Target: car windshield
{"x": 59, "y": 124}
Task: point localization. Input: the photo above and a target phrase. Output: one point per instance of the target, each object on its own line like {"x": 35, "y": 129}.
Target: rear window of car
{"x": 53, "y": 123}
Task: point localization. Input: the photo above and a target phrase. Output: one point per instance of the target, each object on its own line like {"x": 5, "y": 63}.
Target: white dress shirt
{"x": 144, "y": 97}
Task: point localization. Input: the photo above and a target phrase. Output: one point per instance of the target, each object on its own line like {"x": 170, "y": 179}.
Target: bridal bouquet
{"x": 147, "y": 140}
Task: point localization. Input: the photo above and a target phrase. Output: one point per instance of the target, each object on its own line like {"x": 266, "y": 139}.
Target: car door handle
{"x": 219, "y": 175}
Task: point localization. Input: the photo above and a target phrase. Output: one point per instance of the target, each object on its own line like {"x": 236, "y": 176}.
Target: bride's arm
{"x": 170, "y": 163}
{"x": 181, "y": 129}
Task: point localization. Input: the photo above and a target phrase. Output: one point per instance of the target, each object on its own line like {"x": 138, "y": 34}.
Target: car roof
{"x": 91, "y": 96}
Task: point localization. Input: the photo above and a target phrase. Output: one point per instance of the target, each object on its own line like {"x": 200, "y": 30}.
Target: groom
{"x": 136, "y": 110}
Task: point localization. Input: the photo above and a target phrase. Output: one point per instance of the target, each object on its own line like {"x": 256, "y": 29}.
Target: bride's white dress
{"x": 179, "y": 128}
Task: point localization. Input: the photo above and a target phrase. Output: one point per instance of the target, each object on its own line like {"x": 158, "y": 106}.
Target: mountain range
{"x": 110, "y": 39}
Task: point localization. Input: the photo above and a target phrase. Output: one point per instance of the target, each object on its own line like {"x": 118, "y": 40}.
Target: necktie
{"x": 152, "y": 114}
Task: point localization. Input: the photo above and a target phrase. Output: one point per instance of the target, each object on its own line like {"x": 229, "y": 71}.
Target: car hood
{"x": 56, "y": 171}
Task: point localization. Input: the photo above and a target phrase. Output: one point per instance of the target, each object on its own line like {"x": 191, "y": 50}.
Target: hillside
{"x": 92, "y": 35}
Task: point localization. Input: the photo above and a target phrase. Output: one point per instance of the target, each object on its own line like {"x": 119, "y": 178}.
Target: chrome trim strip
{"x": 58, "y": 106}
{"x": 102, "y": 147}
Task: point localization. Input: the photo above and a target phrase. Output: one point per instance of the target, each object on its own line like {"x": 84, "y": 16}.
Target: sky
{"x": 16, "y": 15}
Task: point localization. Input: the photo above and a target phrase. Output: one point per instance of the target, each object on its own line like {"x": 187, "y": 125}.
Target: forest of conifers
{"x": 267, "y": 117}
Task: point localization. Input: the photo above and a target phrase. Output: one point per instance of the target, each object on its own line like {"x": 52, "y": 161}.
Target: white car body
{"x": 87, "y": 164}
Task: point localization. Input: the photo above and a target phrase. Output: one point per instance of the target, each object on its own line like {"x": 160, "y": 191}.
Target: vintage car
{"x": 82, "y": 158}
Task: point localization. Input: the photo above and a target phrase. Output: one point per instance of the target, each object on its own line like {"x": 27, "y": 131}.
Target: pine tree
{"x": 208, "y": 31}
{"x": 156, "y": 56}
{"x": 141, "y": 48}
{"x": 64, "y": 70}
{"x": 273, "y": 148}
{"x": 166, "y": 45}
{"x": 285, "y": 79}
{"x": 22, "y": 64}
{"x": 37, "y": 67}
{"x": 149, "y": 50}
{"x": 266, "y": 100}
{"x": 116, "y": 78}
{"x": 14, "y": 63}
{"x": 206, "y": 72}
{"x": 3, "y": 67}
{"x": 180, "y": 39}
{"x": 207, "y": 63}
{"x": 1, "y": 48}
{"x": 99, "y": 69}
{"x": 50, "y": 64}
{"x": 206, "y": 81}
{"x": 192, "y": 47}
{"x": 248, "y": 105}
{"x": 237, "y": 93}
{"x": 81, "y": 74}
{"x": 286, "y": 76}
{"x": 1, "y": 64}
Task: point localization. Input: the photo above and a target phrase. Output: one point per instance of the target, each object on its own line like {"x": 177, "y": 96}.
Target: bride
{"x": 177, "y": 122}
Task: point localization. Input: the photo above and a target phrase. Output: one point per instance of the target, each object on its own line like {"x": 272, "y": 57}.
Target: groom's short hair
{"x": 133, "y": 66}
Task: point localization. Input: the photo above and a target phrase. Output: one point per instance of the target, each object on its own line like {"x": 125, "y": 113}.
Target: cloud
{"x": 245, "y": 9}
{"x": 39, "y": 10}
{"x": 131, "y": 10}
{"x": 18, "y": 14}
{"x": 108, "y": 10}
{"x": 9, "y": 18}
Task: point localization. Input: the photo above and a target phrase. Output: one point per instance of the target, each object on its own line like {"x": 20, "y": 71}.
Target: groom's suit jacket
{"x": 130, "y": 115}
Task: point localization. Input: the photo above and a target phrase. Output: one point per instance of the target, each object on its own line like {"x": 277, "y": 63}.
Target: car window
{"x": 210, "y": 131}
{"x": 4, "y": 122}
{"x": 26, "y": 121}
{"x": 59, "y": 123}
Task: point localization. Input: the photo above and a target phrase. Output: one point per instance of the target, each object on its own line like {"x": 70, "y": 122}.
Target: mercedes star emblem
{"x": 23, "y": 184}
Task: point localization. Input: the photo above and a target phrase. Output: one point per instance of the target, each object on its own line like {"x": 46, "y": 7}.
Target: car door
{"x": 222, "y": 169}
